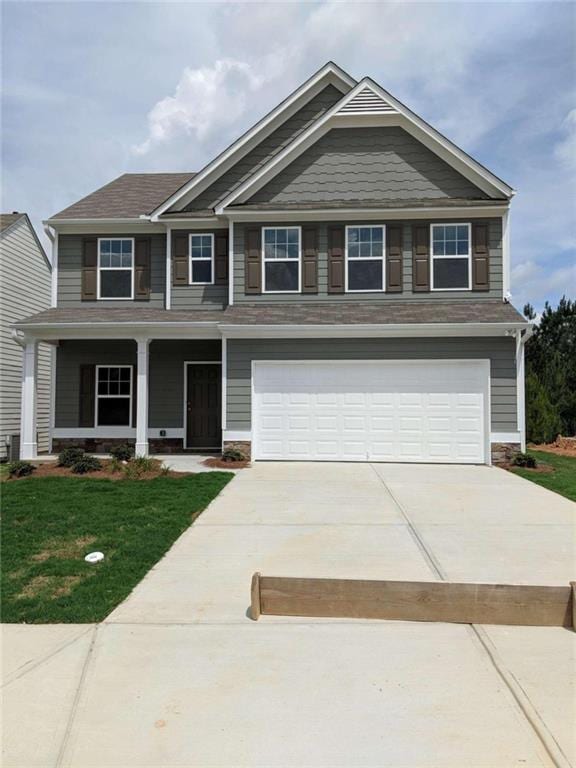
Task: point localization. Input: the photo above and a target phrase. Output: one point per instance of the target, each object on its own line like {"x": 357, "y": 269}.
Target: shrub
{"x": 70, "y": 456}
{"x": 122, "y": 452}
{"x": 139, "y": 466}
{"x": 524, "y": 460}
{"x": 20, "y": 468}
{"x": 233, "y": 454}
{"x": 86, "y": 463}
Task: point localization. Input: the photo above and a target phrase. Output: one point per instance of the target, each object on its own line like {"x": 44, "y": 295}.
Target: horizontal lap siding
{"x": 495, "y": 248}
{"x": 166, "y": 370}
{"x": 70, "y": 273}
{"x": 500, "y": 352}
{"x": 25, "y": 289}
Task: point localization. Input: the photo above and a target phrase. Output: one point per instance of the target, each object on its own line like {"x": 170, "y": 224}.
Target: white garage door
{"x": 425, "y": 411}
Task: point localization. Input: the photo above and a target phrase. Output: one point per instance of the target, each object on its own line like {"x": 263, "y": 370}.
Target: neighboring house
{"x": 25, "y": 287}
{"x": 331, "y": 287}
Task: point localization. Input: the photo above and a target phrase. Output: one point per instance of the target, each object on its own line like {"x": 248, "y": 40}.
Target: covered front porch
{"x": 162, "y": 395}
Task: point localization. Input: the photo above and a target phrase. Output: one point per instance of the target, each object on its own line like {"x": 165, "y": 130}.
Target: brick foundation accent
{"x": 166, "y": 445}
{"x": 503, "y": 453}
{"x": 241, "y": 445}
{"x": 103, "y": 445}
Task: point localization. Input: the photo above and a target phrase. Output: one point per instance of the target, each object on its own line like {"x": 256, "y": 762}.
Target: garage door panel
{"x": 358, "y": 411}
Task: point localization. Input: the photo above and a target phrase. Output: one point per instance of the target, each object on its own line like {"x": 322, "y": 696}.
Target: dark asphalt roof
{"x": 7, "y": 219}
{"x": 127, "y": 197}
{"x": 297, "y": 313}
{"x": 370, "y": 204}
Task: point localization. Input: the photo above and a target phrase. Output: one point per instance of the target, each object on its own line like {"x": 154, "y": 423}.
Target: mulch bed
{"x": 218, "y": 463}
{"x": 540, "y": 469}
{"x": 51, "y": 469}
{"x": 562, "y": 446}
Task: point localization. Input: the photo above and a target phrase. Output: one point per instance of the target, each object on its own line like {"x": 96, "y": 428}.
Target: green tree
{"x": 542, "y": 422}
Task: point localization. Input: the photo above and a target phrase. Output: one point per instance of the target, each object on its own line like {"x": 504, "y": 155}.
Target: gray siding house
{"x": 25, "y": 288}
{"x": 332, "y": 287}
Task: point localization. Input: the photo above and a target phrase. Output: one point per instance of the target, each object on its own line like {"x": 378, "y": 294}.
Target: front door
{"x": 203, "y": 406}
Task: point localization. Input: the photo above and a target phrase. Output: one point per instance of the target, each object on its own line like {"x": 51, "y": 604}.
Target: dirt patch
{"x": 64, "y": 550}
{"x": 110, "y": 471}
{"x": 49, "y": 586}
{"x": 562, "y": 446}
{"x": 218, "y": 463}
{"x": 539, "y": 469}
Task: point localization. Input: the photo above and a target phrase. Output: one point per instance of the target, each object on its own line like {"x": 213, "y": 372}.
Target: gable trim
{"x": 329, "y": 74}
{"x": 402, "y": 116}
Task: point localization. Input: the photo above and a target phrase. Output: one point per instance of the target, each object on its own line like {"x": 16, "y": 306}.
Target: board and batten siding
{"x": 500, "y": 352}
{"x": 495, "y": 253}
{"x": 369, "y": 164}
{"x": 266, "y": 149}
{"x": 166, "y": 371}
{"x": 25, "y": 289}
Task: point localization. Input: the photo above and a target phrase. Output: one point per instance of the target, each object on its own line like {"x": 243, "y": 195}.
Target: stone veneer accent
{"x": 503, "y": 453}
{"x": 103, "y": 445}
{"x": 242, "y": 445}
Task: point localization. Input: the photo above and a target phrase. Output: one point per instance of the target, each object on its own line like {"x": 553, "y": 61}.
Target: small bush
{"x": 139, "y": 466}
{"x": 233, "y": 454}
{"x": 116, "y": 465}
{"x": 122, "y": 452}
{"x": 524, "y": 460}
{"x": 70, "y": 456}
{"x": 20, "y": 468}
{"x": 165, "y": 470}
{"x": 86, "y": 464}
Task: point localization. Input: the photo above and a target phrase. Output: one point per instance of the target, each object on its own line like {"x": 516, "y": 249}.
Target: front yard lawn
{"x": 50, "y": 524}
{"x": 562, "y": 480}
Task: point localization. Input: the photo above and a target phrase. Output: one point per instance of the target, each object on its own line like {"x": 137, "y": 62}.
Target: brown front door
{"x": 203, "y": 406}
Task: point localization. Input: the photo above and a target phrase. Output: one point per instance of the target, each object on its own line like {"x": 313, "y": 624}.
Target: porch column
{"x": 28, "y": 438}
{"x": 142, "y": 398}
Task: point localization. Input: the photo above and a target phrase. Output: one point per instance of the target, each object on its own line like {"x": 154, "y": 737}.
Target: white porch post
{"x": 142, "y": 398}
{"x": 28, "y": 439}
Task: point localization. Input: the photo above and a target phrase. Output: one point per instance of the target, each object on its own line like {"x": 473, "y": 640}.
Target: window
{"x": 201, "y": 259}
{"x": 281, "y": 262}
{"x": 113, "y": 396}
{"x": 364, "y": 258}
{"x": 116, "y": 268}
{"x": 451, "y": 257}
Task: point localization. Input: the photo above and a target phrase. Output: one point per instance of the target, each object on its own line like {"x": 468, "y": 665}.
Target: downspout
{"x": 522, "y": 337}
{"x": 53, "y": 237}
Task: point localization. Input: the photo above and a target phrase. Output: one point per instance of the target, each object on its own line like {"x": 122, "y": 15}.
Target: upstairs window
{"x": 201, "y": 259}
{"x": 364, "y": 259}
{"x": 281, "y": 262}
{"x": 451, "y": 257}
{"x": 113, "y": 396}
{"x": 116, "y": 268}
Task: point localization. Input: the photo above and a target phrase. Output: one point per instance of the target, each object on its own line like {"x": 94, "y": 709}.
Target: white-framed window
{"x": 113, "y": 395}
{"x": 365, "y": 259}
{"x": 281, "y": 259}
{"x": 116, "y": 268}
{"x": 450, "y": 251}
{"x": 201, "y": 259}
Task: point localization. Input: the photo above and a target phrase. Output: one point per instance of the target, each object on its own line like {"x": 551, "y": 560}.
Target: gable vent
{"x": 366, "y": 102}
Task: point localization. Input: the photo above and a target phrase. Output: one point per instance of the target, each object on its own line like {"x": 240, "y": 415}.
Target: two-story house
{"x": 330, "y": 287}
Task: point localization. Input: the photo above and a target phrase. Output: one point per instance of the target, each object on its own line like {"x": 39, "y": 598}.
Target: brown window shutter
{"x": 480, "y": 258}
{"x": 421, "y": 258}
{"x": 89, "y": 269}
{"x": 221, "y": 259}
{"x": 86, "y": 417}
{"x": 335, "y": 259}
{"x": 309, "y": 260}
{"x": 180, "y": 260}
{"x": 142, "y": 257}
{"x": 253, "y": 261}
{"x": 394, "y": 259}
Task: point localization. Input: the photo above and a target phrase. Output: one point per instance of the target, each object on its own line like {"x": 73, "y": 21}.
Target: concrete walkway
{"x": 179, "y": 676}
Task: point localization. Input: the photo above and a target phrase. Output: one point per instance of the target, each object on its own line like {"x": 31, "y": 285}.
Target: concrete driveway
{"x": 179, "y": 676}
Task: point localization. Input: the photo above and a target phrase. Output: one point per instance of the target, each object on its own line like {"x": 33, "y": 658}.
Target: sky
{"x": 91, "y": 90}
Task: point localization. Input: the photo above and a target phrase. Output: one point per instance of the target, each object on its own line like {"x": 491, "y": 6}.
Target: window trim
{"x": 115, "y": 397}
{"x": 453, "y": 256}
{"x": 190, "y": 259}
{"x": 116, "y": 269}
{"x": 290, "y": 261}
{"x": 365, "y": 258}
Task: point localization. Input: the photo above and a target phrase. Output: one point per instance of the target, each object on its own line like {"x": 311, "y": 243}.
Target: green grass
{"x": 562, "y": 480}
{"x": 49, "y": 524}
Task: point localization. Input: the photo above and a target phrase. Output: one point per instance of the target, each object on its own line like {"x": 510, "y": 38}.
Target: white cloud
{"x": 206, "y": 99}
{"x": 565, "y": 150}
